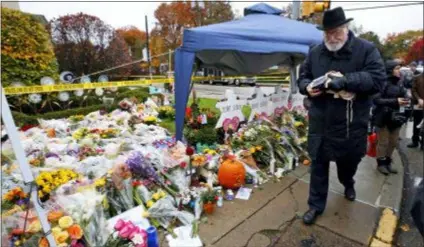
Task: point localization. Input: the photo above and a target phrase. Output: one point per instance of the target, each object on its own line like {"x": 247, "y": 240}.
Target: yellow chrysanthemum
{"x": 62, "y": 237}
{"x": 298, "y": 124}
{"x": 56, "y": 230}
{"x": 162, "y": 193}
{"x": 65, "y": 222}
{"x": 145, "y": 214}
{"x": 150, "y": 203}
{"x": 34, "y": 227}
{"x": 252, "y": 150}
{"x": 100, "y": 182}
{"x": 156, "y": 196}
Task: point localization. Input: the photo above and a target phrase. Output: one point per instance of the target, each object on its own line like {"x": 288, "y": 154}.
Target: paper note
{"x": 244, "y": 193}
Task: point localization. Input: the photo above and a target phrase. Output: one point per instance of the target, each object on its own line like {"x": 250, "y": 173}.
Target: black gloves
{"x": 337, "y": 83}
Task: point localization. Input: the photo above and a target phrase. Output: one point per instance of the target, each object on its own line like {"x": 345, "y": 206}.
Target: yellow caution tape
{"x": 79, "y": 86}
{"x": 94, "y": 85}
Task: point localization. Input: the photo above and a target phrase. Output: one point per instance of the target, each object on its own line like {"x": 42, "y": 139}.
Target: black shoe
{"x": 310, "y": 216}
{"x": 412, "y": 145}
{"x": 389, "y": 166}
{"x": 382, "y": 166}
{"x": 350, "y": 194}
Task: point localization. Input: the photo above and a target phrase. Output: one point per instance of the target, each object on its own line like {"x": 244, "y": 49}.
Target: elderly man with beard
{"x": 338, "y": 127}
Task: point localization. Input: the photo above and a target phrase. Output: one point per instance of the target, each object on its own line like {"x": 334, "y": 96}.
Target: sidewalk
{"x": 273, "y": 213}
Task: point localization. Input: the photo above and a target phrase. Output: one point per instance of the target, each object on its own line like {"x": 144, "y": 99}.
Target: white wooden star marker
{"x": 259, "y": 104}
{"x": 279, "y": 101}
{"x": 231, "y": 114}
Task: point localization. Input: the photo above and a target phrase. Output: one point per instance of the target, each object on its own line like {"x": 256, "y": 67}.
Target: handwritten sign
{"x": 259, "y": 104}
{"x": 231, "y": 114}
{"x": 296, "y": 102}
{"x": 279, "y": 101}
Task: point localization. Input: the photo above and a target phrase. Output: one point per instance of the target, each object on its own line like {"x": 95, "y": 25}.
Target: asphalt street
{"x": 412, "y": 159}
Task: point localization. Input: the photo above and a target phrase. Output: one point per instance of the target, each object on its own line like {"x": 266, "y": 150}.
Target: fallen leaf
{"x": 405, "y": 227}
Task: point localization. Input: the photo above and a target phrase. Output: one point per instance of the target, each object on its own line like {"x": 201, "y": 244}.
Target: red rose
{"x": 189, "y": 151}
{"x": 27, "y": 127}
{"x": 183, "y": 165}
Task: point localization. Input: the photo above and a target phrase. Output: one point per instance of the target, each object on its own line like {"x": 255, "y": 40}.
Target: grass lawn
{"x": 203, "y": 103}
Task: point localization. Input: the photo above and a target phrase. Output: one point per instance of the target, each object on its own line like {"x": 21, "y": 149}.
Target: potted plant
{"x": 209, "y": 199}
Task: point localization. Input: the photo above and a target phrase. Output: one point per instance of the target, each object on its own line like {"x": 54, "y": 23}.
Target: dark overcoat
{"x": 336, "y": 126}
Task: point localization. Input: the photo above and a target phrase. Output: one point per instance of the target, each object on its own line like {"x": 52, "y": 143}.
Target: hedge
{"x": 23, "y": 119}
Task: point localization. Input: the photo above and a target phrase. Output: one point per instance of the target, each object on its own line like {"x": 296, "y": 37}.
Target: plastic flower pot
{"x": 209, "y": 207}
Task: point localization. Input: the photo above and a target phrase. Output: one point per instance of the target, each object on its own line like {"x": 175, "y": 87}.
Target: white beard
{"x": 334, "y": 47}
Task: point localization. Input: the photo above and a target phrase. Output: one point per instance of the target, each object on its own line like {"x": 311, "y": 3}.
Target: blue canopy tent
{"x": 259, "y": 40}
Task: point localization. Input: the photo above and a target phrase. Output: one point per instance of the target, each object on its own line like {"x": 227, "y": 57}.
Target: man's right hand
{"x": 421, "y": 103}
{"x": 403, "y": 101}
{"x": 313, "y": 92}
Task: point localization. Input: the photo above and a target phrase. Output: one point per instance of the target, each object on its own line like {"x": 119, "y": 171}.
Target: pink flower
{"x": 135, "y": 232}
{"x": 127, "y": 230}
{"x": 119, "y": 225}
{"x": 76, "y": 243}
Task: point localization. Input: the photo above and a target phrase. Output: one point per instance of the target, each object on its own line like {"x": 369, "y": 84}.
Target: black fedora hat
{"x": 333, "y": 18}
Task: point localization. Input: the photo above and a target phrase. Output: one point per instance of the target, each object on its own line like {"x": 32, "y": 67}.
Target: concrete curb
{"x": 389, "y": 205}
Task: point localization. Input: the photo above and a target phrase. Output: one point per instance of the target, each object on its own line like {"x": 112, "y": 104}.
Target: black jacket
{"x": 387, "y": 102}
{"x": 338, "y": 127}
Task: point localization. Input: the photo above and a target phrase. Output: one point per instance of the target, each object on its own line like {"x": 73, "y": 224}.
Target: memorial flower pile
{"x": 91, "y": 171}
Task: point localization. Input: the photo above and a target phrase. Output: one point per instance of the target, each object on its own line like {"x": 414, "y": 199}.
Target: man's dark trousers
{"x": 320, "y": 168}
{"x": 418, "y": 116}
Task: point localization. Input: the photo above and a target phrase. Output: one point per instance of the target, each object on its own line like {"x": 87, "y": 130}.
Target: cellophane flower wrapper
{"x": 86, "y": 209}
{"x": 144, "y": 193}
{"x": 96, "y": 166}
{"x": 165, "y": 211}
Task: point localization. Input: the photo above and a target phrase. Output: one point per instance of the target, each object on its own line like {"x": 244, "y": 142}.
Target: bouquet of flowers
{"x": 127, "y": 235}
{"x": 13, "y": 198}
{"x": 49, "y": 181}
{"x": 86, "y": 210}
{"x": 150, "y": 120}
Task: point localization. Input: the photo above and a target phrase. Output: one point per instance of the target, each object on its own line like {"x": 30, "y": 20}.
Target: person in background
{"x": 418, "y": 97}
{"x": 388, "y": 118}
{"x": 413, "y": 67}
{"x": 337, "y": 127}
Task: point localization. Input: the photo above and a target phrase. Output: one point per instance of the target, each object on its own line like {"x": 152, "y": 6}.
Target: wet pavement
{"x": 407, "y": 233}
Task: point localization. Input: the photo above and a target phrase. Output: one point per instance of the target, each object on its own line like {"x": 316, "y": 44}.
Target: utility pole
{"x": 296, "y": 10}
{"x": 169, "y": 60}
{"x": 293, "y": 70}
{"x": 148, "y": 46}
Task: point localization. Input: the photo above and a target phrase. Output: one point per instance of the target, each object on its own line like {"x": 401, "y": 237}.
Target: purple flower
{"x": 49, "y": 155}
{"x": 141, "y": 167}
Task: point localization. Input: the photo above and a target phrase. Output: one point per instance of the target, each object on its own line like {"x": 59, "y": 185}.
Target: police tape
{"x": 80, "y": 86}
{"x": 94, "y": 85}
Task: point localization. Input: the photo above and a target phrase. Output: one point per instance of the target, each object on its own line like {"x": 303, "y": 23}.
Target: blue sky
{"x": 118, "y": 14}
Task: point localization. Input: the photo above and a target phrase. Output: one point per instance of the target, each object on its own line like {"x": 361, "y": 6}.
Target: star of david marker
{"x": 279, "y": 101}
{"x": 231, "y": 114}
{"x": 259, "y": 104}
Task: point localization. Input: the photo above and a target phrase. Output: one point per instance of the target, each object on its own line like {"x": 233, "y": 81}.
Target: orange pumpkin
{"x": 231, "y": 173}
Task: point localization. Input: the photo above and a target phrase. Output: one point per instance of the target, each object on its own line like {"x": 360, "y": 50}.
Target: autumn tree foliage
{"x": 84, "y": 44}
{"x": 416, "y": 52}
{"x": 135, "y": 39}
{"x": 26, "y": 51}
{"x": 172, "y": 18}
{"x": 397, "y": 45}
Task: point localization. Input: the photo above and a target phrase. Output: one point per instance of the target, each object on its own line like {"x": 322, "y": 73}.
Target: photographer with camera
{"x": 389, "y": 116}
